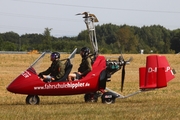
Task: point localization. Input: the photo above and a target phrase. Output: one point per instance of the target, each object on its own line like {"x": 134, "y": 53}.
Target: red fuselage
{"x": 29, "y": 83}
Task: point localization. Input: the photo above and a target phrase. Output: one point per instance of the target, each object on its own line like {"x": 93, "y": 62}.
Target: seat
{"x": 68, "y": 67}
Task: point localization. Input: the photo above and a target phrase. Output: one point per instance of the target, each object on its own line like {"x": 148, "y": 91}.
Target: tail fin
{"x": 156, "y": 74}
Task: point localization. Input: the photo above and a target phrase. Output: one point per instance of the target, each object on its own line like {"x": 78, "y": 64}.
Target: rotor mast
{"x": 89, "y": 20}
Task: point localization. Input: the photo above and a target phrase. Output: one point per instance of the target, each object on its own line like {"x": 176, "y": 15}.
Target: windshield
{"x": 44, "y": 58}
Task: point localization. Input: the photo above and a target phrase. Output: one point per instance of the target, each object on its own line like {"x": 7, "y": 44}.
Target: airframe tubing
{"x": 129, "y": 95}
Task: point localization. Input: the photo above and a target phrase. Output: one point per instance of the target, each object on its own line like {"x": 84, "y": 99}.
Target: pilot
{"x": 55, "y": 71}
{"x": 85, "y": 66}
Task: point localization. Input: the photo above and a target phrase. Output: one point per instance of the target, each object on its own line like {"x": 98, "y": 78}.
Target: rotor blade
{"x": 79, "y": 14}
{"x": 123, "y": 76}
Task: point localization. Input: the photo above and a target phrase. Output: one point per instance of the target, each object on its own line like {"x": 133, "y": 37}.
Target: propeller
{"x": 123, "y": 63}
{"x": 123, "y": 76}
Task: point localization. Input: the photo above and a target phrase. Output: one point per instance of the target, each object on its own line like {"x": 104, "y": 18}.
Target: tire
{"x": 108, "y": 98}
{"x": 32, "y": 99}
{"x": 90, "y": 97}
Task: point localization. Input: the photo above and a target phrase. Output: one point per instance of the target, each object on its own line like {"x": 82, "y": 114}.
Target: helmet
{"x": 85, "y": 51}
{"x": 55, "y": 55}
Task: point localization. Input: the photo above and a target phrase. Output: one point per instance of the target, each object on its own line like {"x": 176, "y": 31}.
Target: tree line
{"x": 111, "y": 39}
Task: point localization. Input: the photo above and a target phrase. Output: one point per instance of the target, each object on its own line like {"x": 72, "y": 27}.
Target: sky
{"x": 33, "y": 16}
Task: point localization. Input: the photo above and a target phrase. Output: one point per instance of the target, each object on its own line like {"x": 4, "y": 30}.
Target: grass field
{"x": 161, "y": 104}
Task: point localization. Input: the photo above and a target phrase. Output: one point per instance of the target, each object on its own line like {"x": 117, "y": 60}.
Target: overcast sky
{"x": 33, "y": 16}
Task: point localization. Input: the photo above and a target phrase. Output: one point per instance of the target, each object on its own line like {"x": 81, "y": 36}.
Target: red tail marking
{"x": 162, "y": 62}
{"x": 151, "y": 72}
{"x": 156, "y": 74}
{"x": 142, "y": 73}
{"x": 161, "y": 78}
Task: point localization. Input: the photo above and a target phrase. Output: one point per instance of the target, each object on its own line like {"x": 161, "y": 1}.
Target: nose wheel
{"x": 32, "y": 99}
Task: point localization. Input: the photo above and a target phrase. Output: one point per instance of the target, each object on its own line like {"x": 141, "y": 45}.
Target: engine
{"x": 112, "y": 66}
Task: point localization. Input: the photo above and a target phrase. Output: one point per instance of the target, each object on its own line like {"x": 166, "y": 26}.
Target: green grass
{"x": 161, "y": 104}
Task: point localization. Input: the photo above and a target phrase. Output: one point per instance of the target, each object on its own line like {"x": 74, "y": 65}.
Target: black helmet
{"x": 85, "y": 51}
{"x": 55, "y": 55}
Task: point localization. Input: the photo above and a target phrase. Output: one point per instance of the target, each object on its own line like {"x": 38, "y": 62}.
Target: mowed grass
{"x": 161, "y": 104}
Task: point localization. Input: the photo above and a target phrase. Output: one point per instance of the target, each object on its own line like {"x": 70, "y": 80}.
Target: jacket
{"x": 53, "y": 70}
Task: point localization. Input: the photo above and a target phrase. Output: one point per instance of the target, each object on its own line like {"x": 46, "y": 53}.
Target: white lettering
{"x": 167, "y": 69}
{"x": 150, "y": 69}
{"x": 26, "y": 74}
{"x": 64, "y": 85}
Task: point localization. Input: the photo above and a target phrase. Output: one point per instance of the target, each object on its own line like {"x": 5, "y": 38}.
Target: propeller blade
{"x": 123, "y": 76}
{"x": 128, "y": 61}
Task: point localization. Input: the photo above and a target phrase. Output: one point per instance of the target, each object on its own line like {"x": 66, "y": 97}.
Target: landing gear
{"x": 91, "y": 97}
{"x": 32, "y": 99}
{"x": 108, "y": 98}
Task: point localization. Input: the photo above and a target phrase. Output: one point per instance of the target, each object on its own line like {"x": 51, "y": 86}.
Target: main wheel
{"x": 90, "y": 97}
{"x": 32, "y": 99}
{"x": 108, "y": 98}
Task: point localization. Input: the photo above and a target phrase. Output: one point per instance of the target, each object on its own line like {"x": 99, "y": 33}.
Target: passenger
{"x": 55, "y": 71}
{"x": 85, "y": 66}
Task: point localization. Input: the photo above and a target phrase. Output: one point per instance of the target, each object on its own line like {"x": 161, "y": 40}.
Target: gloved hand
{"x": 40, "y": 75}
{"x": 47, "y": 80}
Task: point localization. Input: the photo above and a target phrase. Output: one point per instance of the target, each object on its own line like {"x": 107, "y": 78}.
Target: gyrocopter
{"x": 154, "y": 75}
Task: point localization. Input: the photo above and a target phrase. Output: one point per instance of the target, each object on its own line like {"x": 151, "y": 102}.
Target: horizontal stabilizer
{"x": 156, "y": 74}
